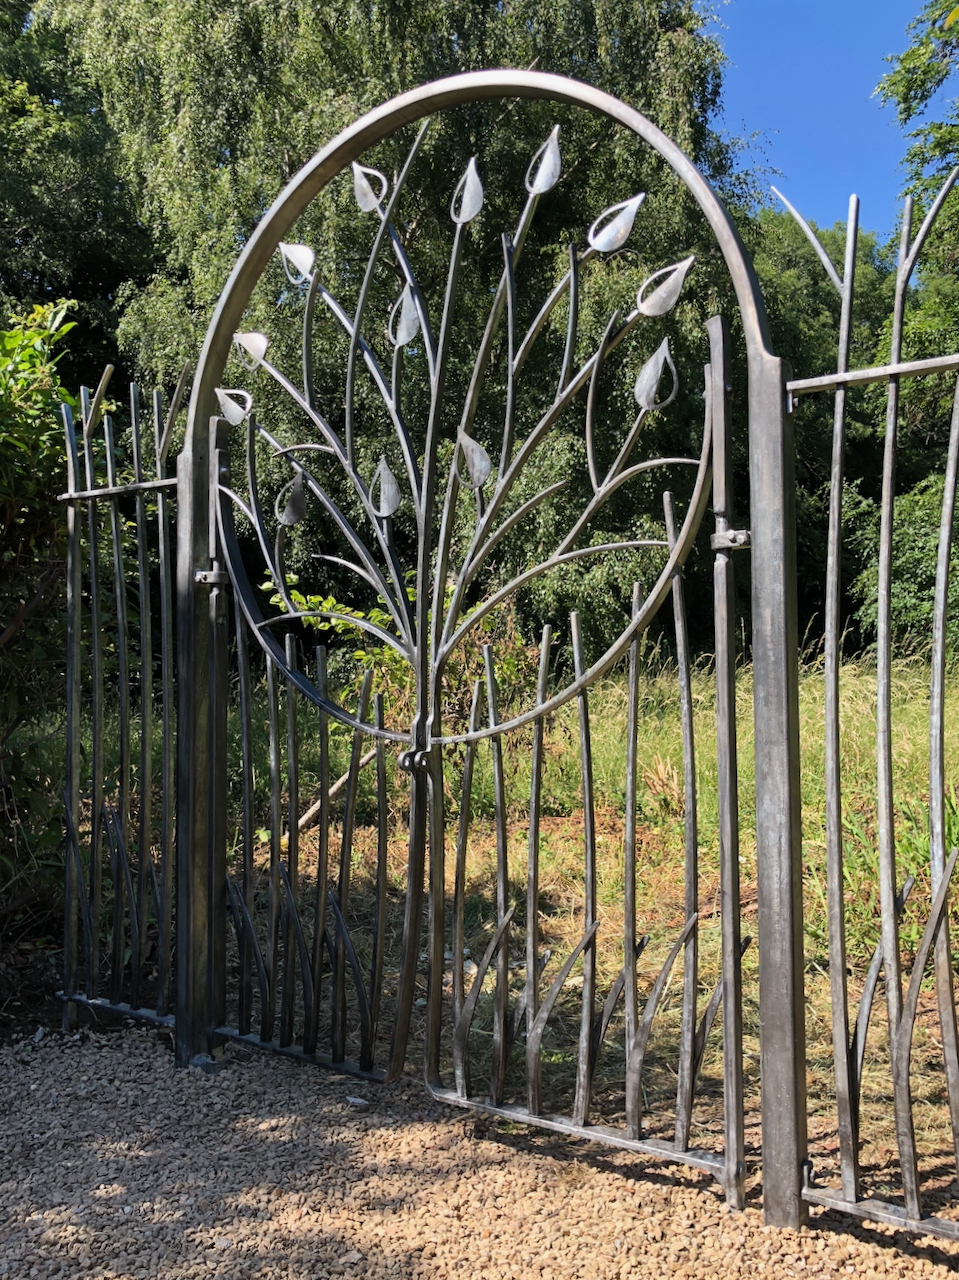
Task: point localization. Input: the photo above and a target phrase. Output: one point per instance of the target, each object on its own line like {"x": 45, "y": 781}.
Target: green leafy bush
{"x": 32, "y": 616}
{"x": 915, "y": 550}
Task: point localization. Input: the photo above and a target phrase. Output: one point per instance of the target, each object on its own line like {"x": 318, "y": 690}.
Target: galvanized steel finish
{"x": 294, "y": 951}
{"x": 850, "y": 1044}
{"x": 119, "y": 815}
{"x": 283, "y": 943}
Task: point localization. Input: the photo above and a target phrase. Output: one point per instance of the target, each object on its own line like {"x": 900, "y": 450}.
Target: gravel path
{"x": 114, "y": 1165}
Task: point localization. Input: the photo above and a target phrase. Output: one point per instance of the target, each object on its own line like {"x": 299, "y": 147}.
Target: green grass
{"x": 661, "y": 834}
{"x": 660, "y": 789}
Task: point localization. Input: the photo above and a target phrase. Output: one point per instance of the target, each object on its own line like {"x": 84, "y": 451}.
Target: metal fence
{"x": 121, "y": 738}
{"x": 850, "y": 1033}
{"x": 298, "y": 926}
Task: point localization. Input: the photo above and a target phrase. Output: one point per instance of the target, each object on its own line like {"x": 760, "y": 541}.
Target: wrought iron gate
{"x": 329, "y": 945}
{"x": 464, "y": 505}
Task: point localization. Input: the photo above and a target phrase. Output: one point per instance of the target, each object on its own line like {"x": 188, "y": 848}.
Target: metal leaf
{"x": 650, "y": 376}
{"x": 544, "y": 168}
{"x": 298, "y": 262}
{"x": 366, "y": 197}
{"x": 469, "y": 192}
{"x": 478, "y": 462}
{"x": 611, "y": 229}
{"x": 404, "y": 319}
{"x": 295, "y": 508}
{"x": 664, "y": 297}
{"x": 389, "y": 490}
{"x": 234, "y": 405}
{"x": 254, "y": 344}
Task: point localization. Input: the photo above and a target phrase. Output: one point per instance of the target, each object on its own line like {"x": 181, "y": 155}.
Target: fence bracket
{"x": 730, "y": 540}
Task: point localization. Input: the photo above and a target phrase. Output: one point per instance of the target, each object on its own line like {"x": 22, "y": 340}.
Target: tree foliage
{"x": 32, "y": 635}
{"x": 68, "y": 226}
{"x": 216, "y": 105}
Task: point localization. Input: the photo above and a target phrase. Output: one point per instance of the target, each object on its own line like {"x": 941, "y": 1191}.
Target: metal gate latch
{"x": 731, "y": 540}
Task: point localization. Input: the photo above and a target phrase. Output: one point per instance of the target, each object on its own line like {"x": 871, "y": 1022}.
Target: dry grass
{"x": 661, "y": 822}
{"x": 661, "y": 829}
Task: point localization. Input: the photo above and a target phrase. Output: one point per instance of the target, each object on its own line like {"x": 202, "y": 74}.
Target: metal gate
{"x": 863, "y": 1192}
{"x": 314, "y": 971}
{"x": 313, "y": 934}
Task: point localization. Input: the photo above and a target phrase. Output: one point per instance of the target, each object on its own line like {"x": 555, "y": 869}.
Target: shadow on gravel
{"x": 115, "y": 1166}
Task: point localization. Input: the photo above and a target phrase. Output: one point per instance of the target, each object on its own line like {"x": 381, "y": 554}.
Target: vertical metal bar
{"x": 885, "y": 816}
{"x": 725, "y": 622}
{"x": 847, "y": 1085}
{"x": 118, "y": 937}
{"x": 501, "y": 991}
{"x": 437, "y": 910}
{"x": 382, "y": 850}
{"x": 268, "y": 1018}
{"x": 572, "y": 321}
{"x": 412, "y": 923}
{"x": 459, "y": 874}
{"x": 95, "y": 880}
{"x": 322, "y": 857}
{"x": 631, "y": 992}
{"x": 533, "y": 1087}
{"x": 685, "y": 1081}
{"x": 219, "y": 684}
{"x": 937, "y": 791}
{"x": 245, "y": 1002}
{"x": 168, "y": 757}
{"x": 778, "y": 825}
{"x": 288, "y": 1003}
{"x": 584, "y": 1066}
{"x": 343, "y": 887}
{"x": 123, "y": 632}
{"x": 145, "y": 870}
{"x": 71, "y": 903}
{"x": 193, "y": 739}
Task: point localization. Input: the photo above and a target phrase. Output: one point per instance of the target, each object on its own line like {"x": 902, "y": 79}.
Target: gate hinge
{"x": 410, "y": 760}
{"x": 731, "y": 540}
{"x": 212, "y": 577}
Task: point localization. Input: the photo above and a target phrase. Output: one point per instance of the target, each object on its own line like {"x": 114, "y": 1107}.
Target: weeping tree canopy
{"x": 215, "y": 106}
{"x": 68, "y": 224}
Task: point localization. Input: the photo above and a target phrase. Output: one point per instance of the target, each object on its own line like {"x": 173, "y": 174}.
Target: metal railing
{"x": 121, "y": 737}
{"x": 314, "y": 946}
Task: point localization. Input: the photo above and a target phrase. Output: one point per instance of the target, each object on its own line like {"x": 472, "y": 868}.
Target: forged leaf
{"x": 298, "y": 261}
{"x": 665, "y": 296}
{"x": 404, "y": 319}
{"x": 544, "y": 168}
{"x": 611, "y": 229}
{"x": 254, "y": 344}
{"x": 650, "y": 376}
{"x": 366, "y": 197}
{"x": 478, "y": 462}
{"x": 295, "y": 508}
{"x": 469, "y": 192}
{"x": 234, "y": 405}
{"x": 388, "y": 498}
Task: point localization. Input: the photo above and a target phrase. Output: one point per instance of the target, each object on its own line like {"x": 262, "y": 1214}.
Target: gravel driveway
{"x": 114, "y": 1165}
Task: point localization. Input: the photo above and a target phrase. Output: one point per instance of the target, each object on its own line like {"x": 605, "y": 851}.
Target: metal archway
{"x": 207, "y": 566}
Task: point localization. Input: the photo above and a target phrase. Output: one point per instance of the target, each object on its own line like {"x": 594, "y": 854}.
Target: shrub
{"x": 32, "y": 617}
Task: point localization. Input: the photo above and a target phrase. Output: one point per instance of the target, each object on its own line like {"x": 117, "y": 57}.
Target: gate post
{"x": 201, "y": 741}
{"x": 778, "y": 816}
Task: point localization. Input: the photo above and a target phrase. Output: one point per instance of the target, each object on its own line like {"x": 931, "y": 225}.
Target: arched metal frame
{"x": 201, "y": 579}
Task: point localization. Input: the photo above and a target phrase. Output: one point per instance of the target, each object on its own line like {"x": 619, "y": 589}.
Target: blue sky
{"x": 804, "y": 74}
